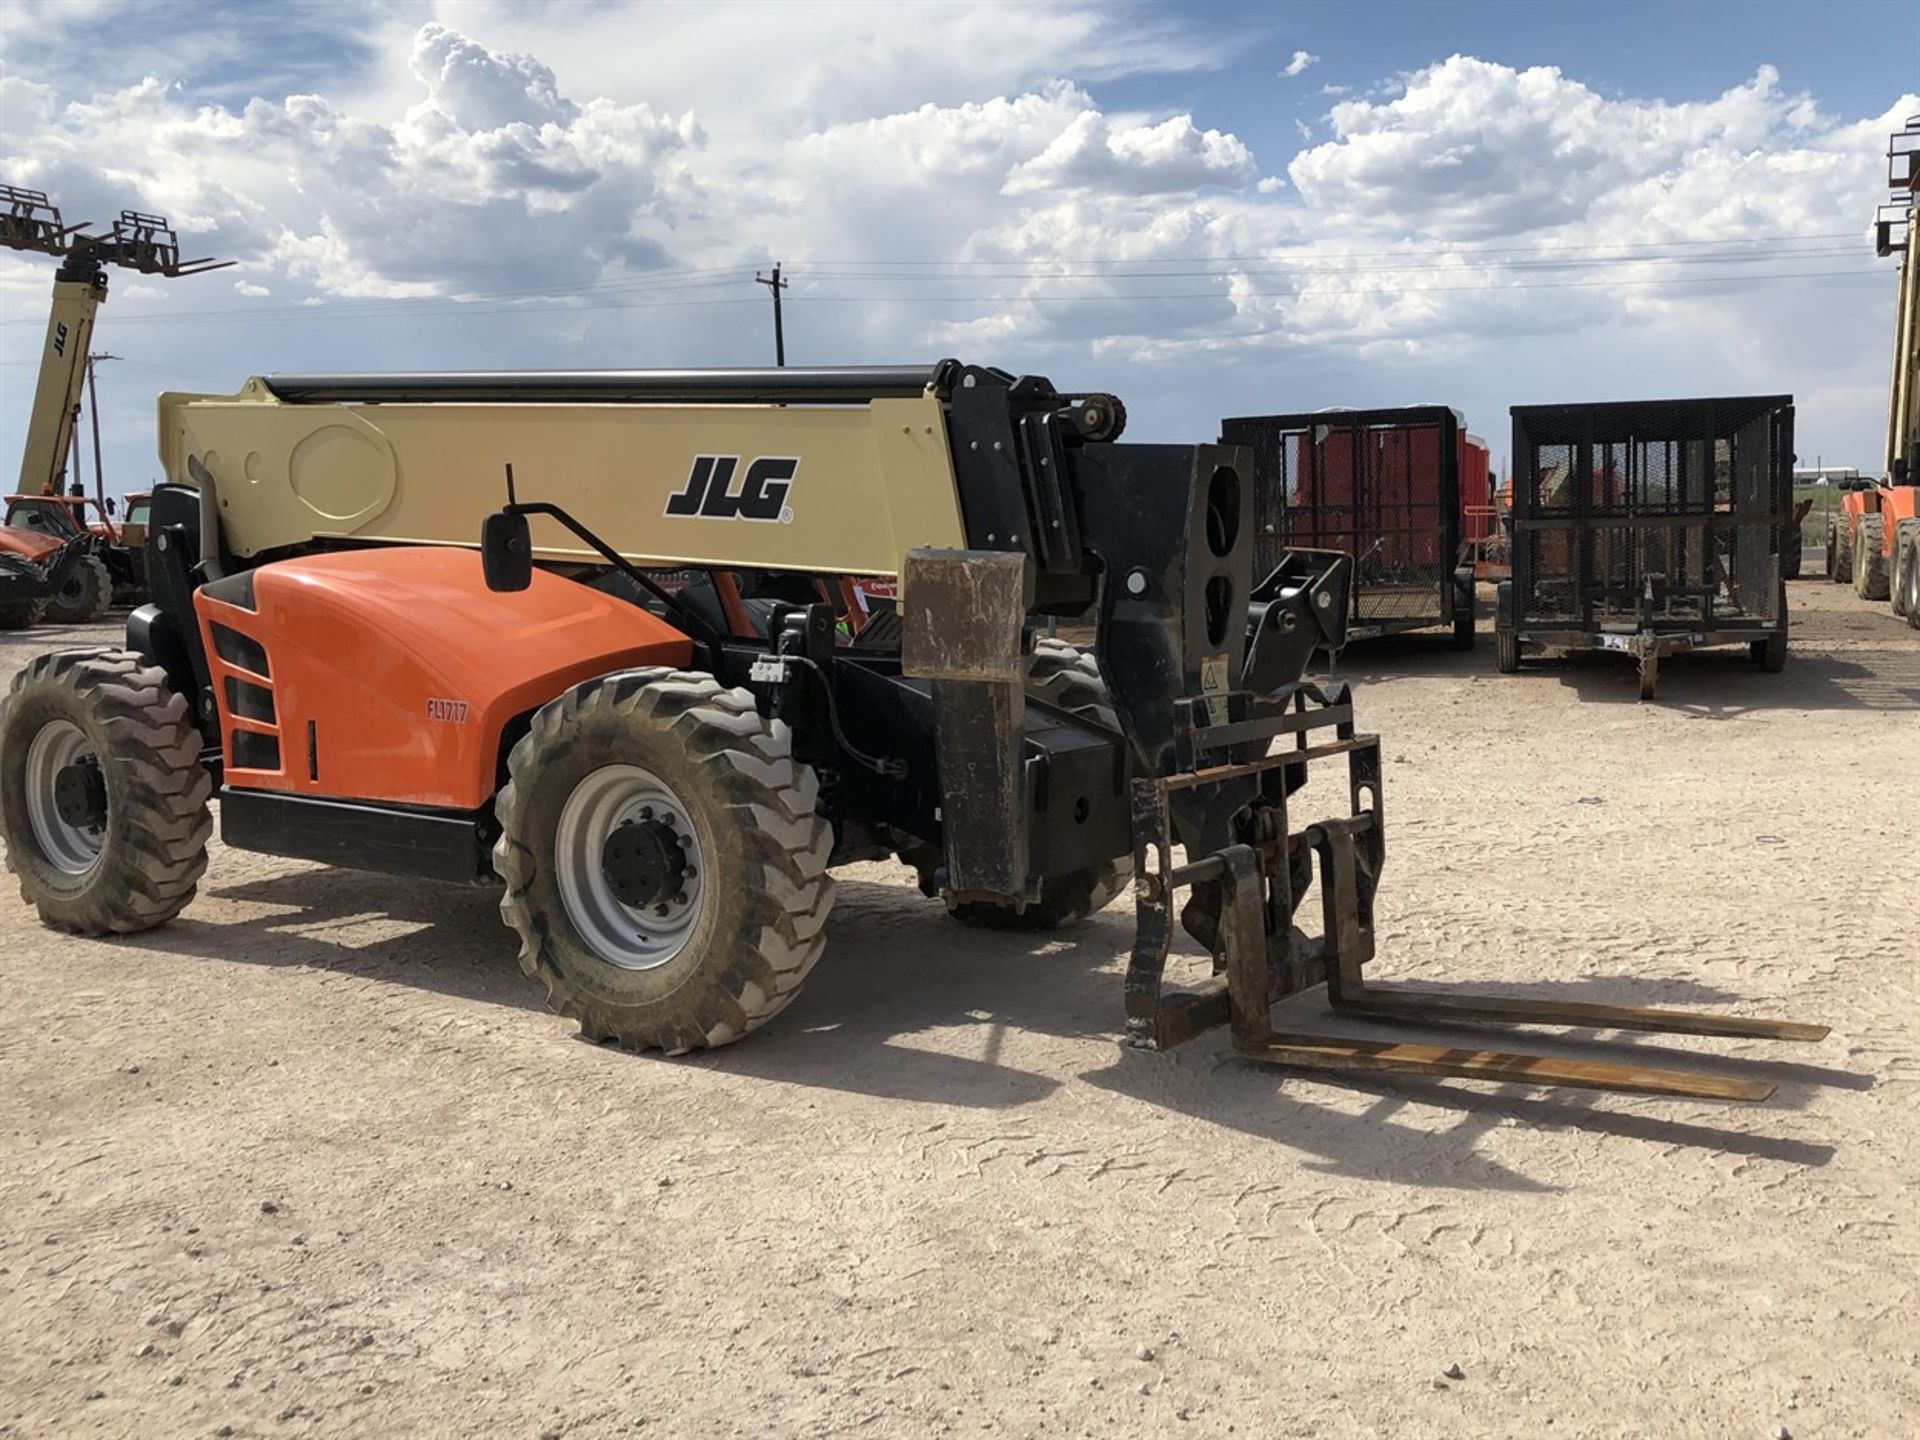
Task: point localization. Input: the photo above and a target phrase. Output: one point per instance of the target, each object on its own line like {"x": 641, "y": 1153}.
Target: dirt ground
{"x": 313, "y": 1161}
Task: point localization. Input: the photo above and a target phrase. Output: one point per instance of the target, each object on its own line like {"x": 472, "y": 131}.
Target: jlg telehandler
{"x": 647, "y": 708}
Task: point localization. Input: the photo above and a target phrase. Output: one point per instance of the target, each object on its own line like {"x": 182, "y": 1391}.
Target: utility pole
{"x": 774, "y": 286}
{"x": 94, "y": 358}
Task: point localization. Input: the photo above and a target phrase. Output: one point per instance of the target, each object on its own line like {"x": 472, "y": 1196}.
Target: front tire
{"x": 103, "y": 800}
{"x": 84, "y": 595}
{"x": 664, "y": 860}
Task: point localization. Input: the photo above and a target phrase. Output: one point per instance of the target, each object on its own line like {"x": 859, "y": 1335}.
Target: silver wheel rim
{"x": 633, "y": 939}
{"x": 73, "y": 849}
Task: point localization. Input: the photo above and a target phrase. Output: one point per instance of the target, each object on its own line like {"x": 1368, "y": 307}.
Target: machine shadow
{"x": 841, "y": 1034}
{"x": 891, "y": 973}
{"x": 1375, "y": 1145}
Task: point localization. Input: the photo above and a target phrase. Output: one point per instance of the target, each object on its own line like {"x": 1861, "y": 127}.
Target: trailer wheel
{"x": 103, "y": 800}
{"x": 84, "y": 595}
{"x": 664, "y": 859}
{"x": 1463, "y": 631}
{"x": 1839, "y": 549}
{"x": 1770, "y": 653}
{"x": 1068, "y": 678}
{"x": 21, "y": 614}
{"x": 1506, "y": 651}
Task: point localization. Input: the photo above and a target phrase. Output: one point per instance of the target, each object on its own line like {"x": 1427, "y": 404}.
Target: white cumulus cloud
{"x": 1095, "y": 152}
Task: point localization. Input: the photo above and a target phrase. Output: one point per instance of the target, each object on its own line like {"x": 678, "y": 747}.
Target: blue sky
{"x": 1484, "y": 204}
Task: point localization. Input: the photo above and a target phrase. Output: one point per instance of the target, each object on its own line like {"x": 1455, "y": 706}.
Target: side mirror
{"x": 506, "y": 551}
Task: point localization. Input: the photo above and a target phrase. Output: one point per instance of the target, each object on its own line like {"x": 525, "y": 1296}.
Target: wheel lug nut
{"x": 681, "y": 898}
{"x": 646, "y": 812}
{"x": 661, "y": 910}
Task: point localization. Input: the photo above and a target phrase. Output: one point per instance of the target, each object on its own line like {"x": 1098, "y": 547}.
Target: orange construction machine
{"x": 1873, "y": 540}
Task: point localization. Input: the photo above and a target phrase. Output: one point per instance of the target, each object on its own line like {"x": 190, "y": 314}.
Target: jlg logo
{"x": 762, "y": 494}
{"x": 59, "y": 339}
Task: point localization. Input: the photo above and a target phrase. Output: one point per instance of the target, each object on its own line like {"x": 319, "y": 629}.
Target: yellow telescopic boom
{"x": 146, "y": 243}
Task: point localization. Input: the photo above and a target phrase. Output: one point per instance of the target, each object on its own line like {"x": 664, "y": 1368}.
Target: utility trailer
{"x": 1649, "y": 528}
{"x": 383, "y": 636}
{"x": 1385, "y": 487}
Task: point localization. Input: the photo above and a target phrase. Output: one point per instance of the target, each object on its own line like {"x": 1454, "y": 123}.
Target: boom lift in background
{"x": 1873, "y": 539}
{"x": 143, "y": 243}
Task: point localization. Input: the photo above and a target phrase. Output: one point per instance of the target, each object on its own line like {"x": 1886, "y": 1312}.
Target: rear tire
{"x": 1068, "y": 679}
{"x": 1506, "y": 652}
{"x": 21, "y": 614}
{"x": 85, "y": 594}
{"x": 1869, "y": 559}
{"x": 698, "y": 972}
{"x": 103, "y": 800}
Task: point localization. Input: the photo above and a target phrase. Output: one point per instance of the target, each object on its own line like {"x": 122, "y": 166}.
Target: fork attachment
{"x": 1242, "y": 901}
{"x": 1204, "y": 665}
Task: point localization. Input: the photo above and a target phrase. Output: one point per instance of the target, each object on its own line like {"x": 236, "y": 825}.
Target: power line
{"x": 1316, "y": 293}
{"x": 420, "y": 309}
{"x": 695, "y": 278}
{"x": 1273, "y": 262}
{"x": 1038, "y": 273}
{"x": 1534, "y": 248}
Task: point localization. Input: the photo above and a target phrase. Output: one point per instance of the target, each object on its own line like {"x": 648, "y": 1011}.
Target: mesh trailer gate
{"x": 1382, "y": 485}
{"x": 1649, "y": 528}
